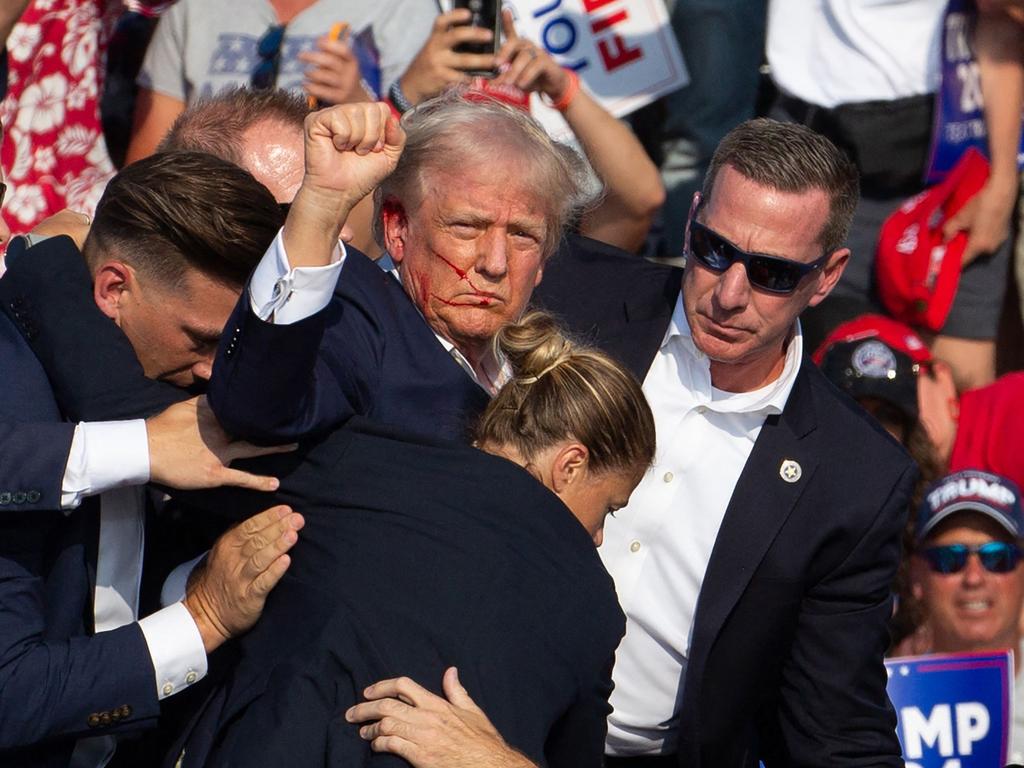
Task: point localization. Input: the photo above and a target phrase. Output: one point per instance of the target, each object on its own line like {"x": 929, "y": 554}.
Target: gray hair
{"x": 792, "y": 158}
{"x": 455, "y": 130}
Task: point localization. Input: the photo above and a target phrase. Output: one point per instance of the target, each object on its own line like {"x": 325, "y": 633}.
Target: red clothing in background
{"x": 991, "y": 431}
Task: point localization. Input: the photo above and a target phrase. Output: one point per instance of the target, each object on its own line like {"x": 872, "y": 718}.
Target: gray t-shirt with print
{"x": 202, "y": 47}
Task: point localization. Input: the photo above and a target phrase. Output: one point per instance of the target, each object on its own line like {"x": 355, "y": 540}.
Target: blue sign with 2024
{"x": 953, "y": 711}
{"x": 959, "y": 108}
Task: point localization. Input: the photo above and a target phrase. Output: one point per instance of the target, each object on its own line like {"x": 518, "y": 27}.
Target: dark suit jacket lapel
{"x": 759, "y": 506}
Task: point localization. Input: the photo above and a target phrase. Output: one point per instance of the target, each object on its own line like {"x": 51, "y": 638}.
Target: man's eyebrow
{"x": 204, "y": 334}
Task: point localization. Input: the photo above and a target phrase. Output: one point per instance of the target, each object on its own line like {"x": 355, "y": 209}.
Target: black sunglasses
{"x": 769, "y": 273}
{"x": 268, "y": 48}
{"x": 995, "y": 556}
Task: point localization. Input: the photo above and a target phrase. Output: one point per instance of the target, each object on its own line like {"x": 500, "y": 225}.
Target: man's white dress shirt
{"x": 112, "y": 459}
{"x": 658, "y": 547}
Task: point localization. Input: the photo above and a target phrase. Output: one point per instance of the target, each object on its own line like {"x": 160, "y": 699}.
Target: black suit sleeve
{"x": 577, "y": 739}
{"x": 95, "y": 375}
{"x": 833, "y": 708}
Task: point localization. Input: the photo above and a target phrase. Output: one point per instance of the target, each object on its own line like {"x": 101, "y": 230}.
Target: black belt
{"x": 645, "y": 761}
{"x": 888, "y": 140}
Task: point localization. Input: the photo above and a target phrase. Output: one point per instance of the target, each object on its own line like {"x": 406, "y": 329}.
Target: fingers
{"x": 378, "y": 710}
{"x": 269, "y": 578}
{"x": 260, "y": 548}
{"x": 444, "y": 22}
{"x": 360, "y": 128}
{"x": 508, "y": 25}
{"x": 454, "y": 691}
{"x": 240, "y": 479}
{"x": 253, "y": 525}
{"x": 402, "y": 688}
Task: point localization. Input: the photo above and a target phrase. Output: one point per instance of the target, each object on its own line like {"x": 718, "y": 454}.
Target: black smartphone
{"x": 485, "y": 14}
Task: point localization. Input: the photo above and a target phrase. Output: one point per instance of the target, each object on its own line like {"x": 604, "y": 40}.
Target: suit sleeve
{"x": 577, "y": 739}
{"x": 833, "y": 707}
{"x": 34, "y": 458}
{"x": 279, "y": 383}
{"x": 61, "y": 688}
{"x": 91, "y": 366}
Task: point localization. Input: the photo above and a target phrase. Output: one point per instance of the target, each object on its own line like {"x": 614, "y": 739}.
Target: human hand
{"x": 985, "y": 218}
{"x": 333, "y": 76}
{"x": 74, "y": 224}
{"x": 528, "y": 66}
{"x": 438, "y": 65}
{"x": 430, "y": 731}
{"x": 350, "y": 149}
{"x": 226, "y": 592}
{"x": 189, "y": 450}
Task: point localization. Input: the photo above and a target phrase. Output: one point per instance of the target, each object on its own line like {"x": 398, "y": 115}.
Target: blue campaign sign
{"x": 953, "y": 711}
{"x": 959, "y": 109}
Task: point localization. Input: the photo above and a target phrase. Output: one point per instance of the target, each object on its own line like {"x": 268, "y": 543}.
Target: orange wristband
{"x": 571, "y": 89}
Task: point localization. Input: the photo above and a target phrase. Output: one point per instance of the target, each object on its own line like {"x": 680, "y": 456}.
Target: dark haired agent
{"x": 76, "y": 666}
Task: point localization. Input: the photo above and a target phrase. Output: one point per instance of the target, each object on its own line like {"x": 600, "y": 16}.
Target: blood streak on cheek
{"x": 462, "y": 276}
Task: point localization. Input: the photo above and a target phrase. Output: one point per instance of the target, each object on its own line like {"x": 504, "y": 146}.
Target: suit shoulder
{"x": 852, "y": 430}
{"x": 583, "y": 264}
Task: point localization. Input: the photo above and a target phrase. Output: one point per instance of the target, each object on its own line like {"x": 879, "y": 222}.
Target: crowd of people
{"x": 347, "y": 423}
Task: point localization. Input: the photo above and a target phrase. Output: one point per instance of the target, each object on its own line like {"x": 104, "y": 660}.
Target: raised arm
{"x": 270, "y": 381}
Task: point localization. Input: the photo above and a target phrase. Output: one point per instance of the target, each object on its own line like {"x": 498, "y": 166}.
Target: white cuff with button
{"x": 176, "y": 648}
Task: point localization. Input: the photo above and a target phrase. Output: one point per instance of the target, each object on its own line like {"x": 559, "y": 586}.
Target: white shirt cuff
{"x": 173, "y": 589}
{"x": 176, "y": 648}
{"x": 282, "y": 295}
{"x": 104, "y": 455}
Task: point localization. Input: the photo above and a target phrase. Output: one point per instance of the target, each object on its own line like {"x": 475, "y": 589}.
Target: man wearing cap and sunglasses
{"x": 966, "y": 571}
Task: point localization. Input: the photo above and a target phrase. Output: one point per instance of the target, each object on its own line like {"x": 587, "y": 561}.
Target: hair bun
{"x": 534, "y": 346}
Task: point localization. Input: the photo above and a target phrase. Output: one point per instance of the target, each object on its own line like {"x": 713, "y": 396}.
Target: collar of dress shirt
{"x": 501, "y": 368}
{"x": 769, "y": 399}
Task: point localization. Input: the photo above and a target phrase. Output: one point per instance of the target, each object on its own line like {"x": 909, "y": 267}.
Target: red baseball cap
{"x": 917, "y": 269}
{"x": 896, "y": 335}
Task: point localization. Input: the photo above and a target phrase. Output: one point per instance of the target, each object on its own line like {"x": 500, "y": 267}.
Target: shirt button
{"x": 168, "y": 689}
{"x": 634, "y": 546}
{"x": 190, "y": 678}
{"x": 668, "y": 477}
{"x": 702, "y": 409}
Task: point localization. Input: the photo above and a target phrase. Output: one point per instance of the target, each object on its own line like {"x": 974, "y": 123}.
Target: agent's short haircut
{"x": 175, "y": 211}
{"x": 454, "y": 131}
{"x": 562, "y": 390}
{"x": 217, "y": 124}
{"x": 792, "y": 158}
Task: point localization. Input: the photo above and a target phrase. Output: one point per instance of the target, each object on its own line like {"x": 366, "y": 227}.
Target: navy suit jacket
{"x": 369, "y": 353}
{"x": 89, "y": 364}
{"x": 418, "y": 554}
{"x": 785, "y": 662}
{"x": 58, "y": 682}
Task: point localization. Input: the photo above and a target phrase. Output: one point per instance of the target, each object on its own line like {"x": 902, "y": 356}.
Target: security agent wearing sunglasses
{"x": 967, "y": 572}
{"x": 754, "y": 561}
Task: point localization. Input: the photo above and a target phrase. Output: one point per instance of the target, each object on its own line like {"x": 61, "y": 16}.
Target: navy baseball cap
{"x": 971, "y": 490}
{"x": 873, "y": 368}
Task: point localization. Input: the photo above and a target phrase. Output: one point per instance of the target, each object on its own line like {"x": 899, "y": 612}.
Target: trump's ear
{"x": 113, "y": 282}
{"x": 395, "y": 226}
